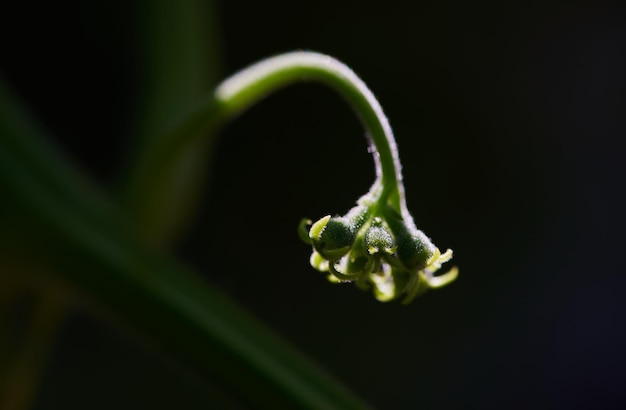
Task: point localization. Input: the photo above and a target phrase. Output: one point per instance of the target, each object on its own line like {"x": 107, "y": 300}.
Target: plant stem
{"x": 255, "y": 82}
{"x": 238, "y": 92}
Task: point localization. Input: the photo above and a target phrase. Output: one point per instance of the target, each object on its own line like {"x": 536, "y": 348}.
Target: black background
{"x": 509, "y": 118}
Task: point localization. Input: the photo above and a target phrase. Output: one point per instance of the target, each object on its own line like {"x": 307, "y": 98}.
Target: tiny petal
{"x": 318, "y": 262}
{"x": 384, "y": 286}
{"x": 303, "y": 232}
{"x": 440, "y": 281}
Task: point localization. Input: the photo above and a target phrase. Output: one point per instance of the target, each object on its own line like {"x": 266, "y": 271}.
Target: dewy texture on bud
{"x": 377, "y": 248}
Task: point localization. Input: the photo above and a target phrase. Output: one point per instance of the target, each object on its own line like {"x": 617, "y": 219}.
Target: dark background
{"x": 509, "y": 118}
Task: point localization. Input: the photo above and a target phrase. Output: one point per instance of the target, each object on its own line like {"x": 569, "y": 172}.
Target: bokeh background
{"x": 509, "y": 118}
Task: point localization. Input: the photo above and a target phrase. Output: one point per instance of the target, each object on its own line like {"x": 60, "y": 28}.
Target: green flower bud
{"x": 414, "y": 251}
{"x": 414, "y": 248}
{"x": 378, "y": 238}
{"x": 332, "y": 237}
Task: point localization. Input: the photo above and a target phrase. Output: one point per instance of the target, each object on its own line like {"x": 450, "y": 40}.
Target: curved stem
{"x": 250, "y": 85}
{"x": 238, "y": 92}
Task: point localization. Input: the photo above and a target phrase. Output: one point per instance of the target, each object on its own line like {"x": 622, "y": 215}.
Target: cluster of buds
{"x": 377, "y": 248}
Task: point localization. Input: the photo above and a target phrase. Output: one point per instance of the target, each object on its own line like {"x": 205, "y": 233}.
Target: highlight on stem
{"x": 376, "y": 244}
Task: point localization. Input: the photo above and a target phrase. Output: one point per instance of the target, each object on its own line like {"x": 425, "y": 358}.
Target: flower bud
{"x": 378, "y": 238}
{"x": 332, "y": 237}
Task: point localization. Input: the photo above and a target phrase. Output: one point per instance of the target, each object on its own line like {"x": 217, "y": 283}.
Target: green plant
{"x": 69, "y": 237}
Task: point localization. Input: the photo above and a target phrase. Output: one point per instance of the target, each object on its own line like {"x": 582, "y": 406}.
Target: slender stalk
{"x": 251, "y": 85}
{"x": 255, "y": 82}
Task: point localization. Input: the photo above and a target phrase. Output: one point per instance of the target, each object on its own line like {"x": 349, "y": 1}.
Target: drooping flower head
{"x": 377, "y": 248}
